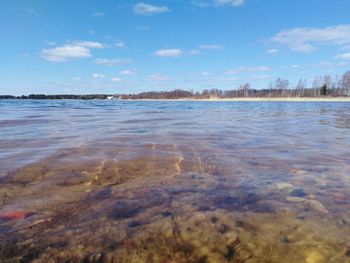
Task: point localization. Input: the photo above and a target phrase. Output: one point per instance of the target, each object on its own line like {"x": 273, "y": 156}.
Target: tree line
{"x": 57, "y": 97}
{"x": 321, "y": 86}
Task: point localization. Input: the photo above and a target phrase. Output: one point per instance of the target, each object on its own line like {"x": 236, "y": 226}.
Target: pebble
{"x": 339, "y": 199}
{"x": 14, "y": 215}
{"x": 295, "y": 199}
{"x": 347, "y": 253}
{"x": 282, "y": 186}
{"x": 314, "y": 204}
{"x": 213, "y": 219}
{"x": 109, "y": 258}
{"x": 166, "y": 213}
{"x": 298, "y": 192}
{"x": 133, "y": 224}
{"x": 224, "y": 228}
{"x": 318, "y": 206}
{"x": 314, "y": 257}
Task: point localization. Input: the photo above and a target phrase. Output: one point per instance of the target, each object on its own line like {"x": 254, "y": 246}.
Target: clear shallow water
{"x": 137, "y": 181}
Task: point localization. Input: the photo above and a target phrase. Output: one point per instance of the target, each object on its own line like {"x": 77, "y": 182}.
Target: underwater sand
{"x": 174, "y": 182}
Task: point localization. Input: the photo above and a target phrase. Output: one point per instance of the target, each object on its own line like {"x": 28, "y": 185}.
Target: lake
{"x": 174, "y": 181}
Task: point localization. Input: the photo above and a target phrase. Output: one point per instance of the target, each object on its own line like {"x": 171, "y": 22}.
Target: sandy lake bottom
{"x": 229, "y": 182}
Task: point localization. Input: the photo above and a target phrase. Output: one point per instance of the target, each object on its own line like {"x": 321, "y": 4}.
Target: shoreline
{"x": 309, "y": 99}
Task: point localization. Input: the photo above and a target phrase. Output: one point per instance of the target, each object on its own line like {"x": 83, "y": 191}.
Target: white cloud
{"x": 272, "y": 51}
{"x": 306, "y": 39}
{"x": 204, "y": 73}
{"x": 98, "y": 14}
{"x": 127, "y": 72}
{"x": 295, "y": 66}
{"x": 115, "y": 80}
{"x": 120, "y": 44}
{"x": 173, "y": 52}
{"x": 345, "y": 56}
{"x": 74, "y": 50}
{"x": 247, "y": 69}
{"x": 97, "y": 76}
{"x": 111, "y": 62}
{"x": 158, "y": 77}
{"x": 211, "y": 47}
{"x": 89, "y": 44}
{"x": 66, "y": 52}
{"x": 147, "y": 9}
{"x": 193, "y": 52}
{"x": 218, "y": 3}
{"x": 229, "y": 2}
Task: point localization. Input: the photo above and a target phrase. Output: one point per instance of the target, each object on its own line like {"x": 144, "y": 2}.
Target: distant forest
{"x": 280, "y": 88}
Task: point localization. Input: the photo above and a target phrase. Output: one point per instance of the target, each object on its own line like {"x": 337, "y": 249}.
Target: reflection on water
{"x": 112, "y": 181}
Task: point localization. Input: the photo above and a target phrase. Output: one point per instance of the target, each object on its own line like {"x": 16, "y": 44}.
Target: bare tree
{"x": 282, "y": 84}
{"x": 301, "y": 86}
{"x": 346, "y": 84}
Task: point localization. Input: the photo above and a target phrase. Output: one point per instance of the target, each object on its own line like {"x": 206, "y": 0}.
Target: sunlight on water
{"x": 111, "y": 181}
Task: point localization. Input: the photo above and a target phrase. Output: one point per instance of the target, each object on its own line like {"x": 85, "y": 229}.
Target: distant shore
{"x": 211, "y": 99}
{"x": 296, "y": 99}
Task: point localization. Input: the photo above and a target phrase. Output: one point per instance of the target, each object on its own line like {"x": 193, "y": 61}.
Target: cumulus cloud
{"x": 127, "y": 72}
{"x": 272, "y": 51}
{"x": 111, "y": 62}
{"x": 218, "y": 3}
{"x": 211, "y": 47}
{"x": 193, "y": 52}
{"x": 120, "y": 44}
{"x": 66, "y": 52}
{"x": 247, "y": 69}
{"x": 306, "y": 39}
{"x": 343, "y": 56}
{"x": 115, "y": 80}
{"x": 229, "y": 2}
{"x": 147, "y": 9}
{"x": 97, "y": 76}
{"x": 89, "y": 44}
{"x": 172, "y": 52}
{"x": 74, "y": 50}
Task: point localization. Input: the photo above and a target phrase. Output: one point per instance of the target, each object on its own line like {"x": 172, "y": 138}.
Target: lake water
{"x": 174, "y": 181}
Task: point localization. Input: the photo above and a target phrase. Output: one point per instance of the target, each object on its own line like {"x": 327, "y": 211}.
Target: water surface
{"x": 157, "y": 181}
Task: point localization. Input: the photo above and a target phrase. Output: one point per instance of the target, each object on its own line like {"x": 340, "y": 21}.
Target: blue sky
{"x": 106, "y": 46}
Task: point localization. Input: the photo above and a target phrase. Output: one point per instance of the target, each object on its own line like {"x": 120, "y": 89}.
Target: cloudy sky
{"x": 110, "y": 46}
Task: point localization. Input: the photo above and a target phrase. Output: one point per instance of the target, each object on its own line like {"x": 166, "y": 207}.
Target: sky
{"x": 110, "y": 46}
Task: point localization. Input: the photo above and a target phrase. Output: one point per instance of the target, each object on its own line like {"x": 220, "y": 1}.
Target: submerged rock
{"x": 166, "y": 213}
{"x": 314, "y": 204}
{"x": 123, "y": 210}
{"x": 14, "y": 215}
{"x": 298, "y": 192}
{"x": 282, "y": 186}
